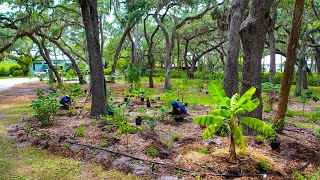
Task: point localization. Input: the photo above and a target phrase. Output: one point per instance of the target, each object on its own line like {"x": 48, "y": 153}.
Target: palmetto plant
{"x": 230, "y": 109}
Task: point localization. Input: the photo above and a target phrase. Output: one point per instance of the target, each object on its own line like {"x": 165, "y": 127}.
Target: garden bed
{"x": 188, "y": 155}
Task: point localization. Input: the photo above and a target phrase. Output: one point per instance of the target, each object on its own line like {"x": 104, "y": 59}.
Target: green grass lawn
{"x": 35, "y": 163}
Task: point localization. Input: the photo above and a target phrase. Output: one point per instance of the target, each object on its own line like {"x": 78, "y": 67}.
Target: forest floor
{"x": 185, "y": 156}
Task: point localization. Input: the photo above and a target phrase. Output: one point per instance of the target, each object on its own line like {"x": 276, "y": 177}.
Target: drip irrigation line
{"x": 164, "y": 164}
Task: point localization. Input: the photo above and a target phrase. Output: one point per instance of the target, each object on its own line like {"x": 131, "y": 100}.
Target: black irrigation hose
{"x": 164, "y": 164}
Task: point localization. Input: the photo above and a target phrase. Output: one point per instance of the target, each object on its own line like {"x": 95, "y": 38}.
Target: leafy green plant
{"x": 264, "y": 165}
{"x": 153, "y": 167}
{"x": 167, "y": 141}
{"x": 151, "y": 122}
{"x": 203, "y": 150}
{"x": 152, "y": 151}
{"x": 104, "y": 143}
{"x": 175, "y": 137}
{"x": 162, "y": 112}
{"x": 231, "y": 108}
{"x": 260, "y": 139}
{"x": 80, "y": 131}
{"x": 95, "y": 152}
{"x": 67, "y": 145}
{"x": 142, "y": 111}
{"x": 179, "y": 174}
{"x": 167, "y": 98}
{"x": 45, "y": 107}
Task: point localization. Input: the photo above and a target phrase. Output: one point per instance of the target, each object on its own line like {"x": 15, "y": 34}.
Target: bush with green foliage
{"x": 152, "y": 151}
{"x": 104, "y": 143}
{"x": 175, "y": 137}
{"x": 203, "y": 150}
{"x": 229, "y": 112}
{"x": 80, "y": 131}
{"x": 264, "y": 165}
{"x": 45, "y": 107}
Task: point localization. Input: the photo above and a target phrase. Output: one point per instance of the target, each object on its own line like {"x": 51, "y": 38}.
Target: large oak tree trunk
{"x": 90, "y": 19}
{"x": 230, "y": 80}
{"x": 289, "y": 65}
{"x": 253, "y": 34}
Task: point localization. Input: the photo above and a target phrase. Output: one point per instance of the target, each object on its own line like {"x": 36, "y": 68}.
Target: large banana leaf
{"x": 246, "y": 96}
{"x": 258, "y": 125}
{"x": 239, "y": 138}
{"x": 251, "y": 105}
{"x": 220, "y": 112}
{"x": 218, "y": 94}
{"x": 234, "y": 99}
{"x": 208, "y": 119}
{"x": 210, "y": 130}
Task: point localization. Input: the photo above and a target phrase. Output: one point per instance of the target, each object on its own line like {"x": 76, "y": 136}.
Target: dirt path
{"x": 20, "y": 93}
{"x": 8, "y": 83}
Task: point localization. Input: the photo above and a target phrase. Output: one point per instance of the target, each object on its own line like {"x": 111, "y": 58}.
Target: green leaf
{"x": 208, "y": 119}
{"x": 239, "y": 111}
{"x": 239, "y": 138}
{"x": 210, "y": 130}
{"x": 246, "y": 96}
{"x": 258, "y": 125}
{"x": 251, "y": 105}
{"x": 220, "y": 112}
{"x": 234, "y": 99}
{"x": 218, "y": 94}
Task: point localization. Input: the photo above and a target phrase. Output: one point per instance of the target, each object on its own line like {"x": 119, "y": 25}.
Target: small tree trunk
{"x": 305, "y": 75}
{"x": 118, "y": 50}
{"x": 232, "y": 151}
{"x": 185, "y": 58}
{"x": 298, "y": 89}
{"x": 272, "y": 41}
{"x": 289, "y": 65}
{"x": 151, "y": 66}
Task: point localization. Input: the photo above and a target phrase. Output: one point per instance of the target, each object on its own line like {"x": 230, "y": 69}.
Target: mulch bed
{"x": 299, "y": 147}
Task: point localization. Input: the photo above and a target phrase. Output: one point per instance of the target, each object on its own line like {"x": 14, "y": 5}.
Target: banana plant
{"x": 228, "y": 113}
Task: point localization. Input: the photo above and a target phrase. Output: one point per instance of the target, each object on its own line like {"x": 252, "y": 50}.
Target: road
{"x": 7, "y": 83}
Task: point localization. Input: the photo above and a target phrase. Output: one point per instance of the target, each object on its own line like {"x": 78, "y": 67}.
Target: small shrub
{"x": 80, "y": 131}
{"x": 95, "y": 152}
{"x": 66, "y": 145}
{"x": 264, "y": 165}
{"x": 203, "y": 150}
{"x": 167, "y": 141}
{"x": 152, "y": 151}
{"x": 260, "y": 139}
{"x": 45, "y": 107}
{"x": 179, "y": 174}
{"x": 298, "y": 175}
{"x": 175, "y": 137}
{"x": 104, "y": 143}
